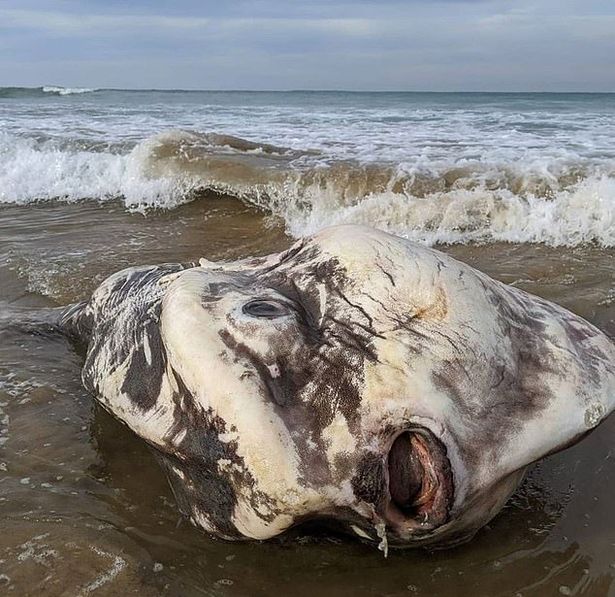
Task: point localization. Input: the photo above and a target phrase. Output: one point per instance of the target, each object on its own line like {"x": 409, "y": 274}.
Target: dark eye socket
{"x": 265, "y": 308}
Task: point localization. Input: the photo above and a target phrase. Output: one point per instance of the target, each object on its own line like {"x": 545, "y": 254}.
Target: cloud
{"x": 67, "y": 23}
{"x": 391, "y": 44}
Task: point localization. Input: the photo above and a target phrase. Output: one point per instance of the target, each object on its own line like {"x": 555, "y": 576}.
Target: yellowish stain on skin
{"x": 438, "y": 309}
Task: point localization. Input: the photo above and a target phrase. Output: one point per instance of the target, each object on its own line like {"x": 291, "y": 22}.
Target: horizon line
{"x": 299, "y": 90}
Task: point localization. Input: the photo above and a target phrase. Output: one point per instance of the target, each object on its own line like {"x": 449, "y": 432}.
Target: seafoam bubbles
{"x": 562, "y": 200}
{"x": 33, "y": 171}
{"x": 58, "y": 90}
{"x": 4, "y": 426}
{"x": 583, "y": 213}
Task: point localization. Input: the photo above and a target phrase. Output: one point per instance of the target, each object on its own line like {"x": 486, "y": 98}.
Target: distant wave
{"x": 47, "y": 90}
{"x": 66, "y": 90}
{"x": 557, "y": 203}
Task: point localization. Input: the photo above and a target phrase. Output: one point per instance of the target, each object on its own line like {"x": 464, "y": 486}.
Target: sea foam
{"x": 31, "y": 171}
{"x": 56, "y": 90}
{"x": 558, "y": 203}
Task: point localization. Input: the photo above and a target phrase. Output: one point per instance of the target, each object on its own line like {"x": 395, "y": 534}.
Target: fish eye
{"x": 265, "y": 309}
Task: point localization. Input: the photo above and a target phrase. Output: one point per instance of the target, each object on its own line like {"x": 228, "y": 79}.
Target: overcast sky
{"x": 439, "y": 45}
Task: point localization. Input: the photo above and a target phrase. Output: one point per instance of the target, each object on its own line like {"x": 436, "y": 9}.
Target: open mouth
{"x": 419, "y": 481}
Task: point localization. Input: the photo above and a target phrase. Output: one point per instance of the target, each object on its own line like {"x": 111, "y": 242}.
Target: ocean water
{"x": 521, "y": 186}
{"x": 439, "y": 168}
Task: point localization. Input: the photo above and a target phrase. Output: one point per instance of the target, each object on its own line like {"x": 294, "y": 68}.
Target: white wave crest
{"x": 457, "y": 206}
{"x": 56, "y": 90}
{"x": 584, "y": 213}
{"x": 30, "y": 172}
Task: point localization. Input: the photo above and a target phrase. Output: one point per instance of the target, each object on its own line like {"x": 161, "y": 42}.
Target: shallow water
{"x": 448, "y": 167}
{"x": 85, "y": 509}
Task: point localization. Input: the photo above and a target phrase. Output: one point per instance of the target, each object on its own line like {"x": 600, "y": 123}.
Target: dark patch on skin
{"x": 320, "y": 362}
{"x": 305, "y": 306}
{"x": 115, "y": 322}
{"x": 281, "y": 389}
{"x": 582, "y": 334}
{"x": 309, "y": 269}
{"x": 287, "y": 255}
{"x": 338, "y": 387}
{"x": 351, "y": 338}
{"x": 517, "y": 388}
{"x": 77, "y": 321}
{"x": 208, "y": 491}
{"x": 214, "y": 291}
{"x": 368, "y": 483}
{"x": 198, "y": 494}
{"x": 143, "y": 380}
{"x": 343, "y": 344}
{"x": 343, "y": 464}
{"x": 500, "y": 410}
{"x": 303, "y": 420}
{"x": 204, "y": 488}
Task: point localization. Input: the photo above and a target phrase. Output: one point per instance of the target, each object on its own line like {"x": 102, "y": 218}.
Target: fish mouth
{"x": 419, "y": 483}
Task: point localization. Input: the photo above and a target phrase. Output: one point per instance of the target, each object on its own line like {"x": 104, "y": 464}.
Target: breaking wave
{"x": 560, "y": 202}
{"x": 66, "y": 90}
{"x": 47, "y": 90}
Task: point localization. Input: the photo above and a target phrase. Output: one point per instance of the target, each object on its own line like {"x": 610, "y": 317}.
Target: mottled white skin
{"x": 380, "y": 336}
